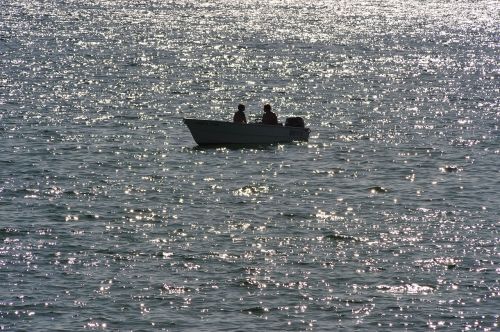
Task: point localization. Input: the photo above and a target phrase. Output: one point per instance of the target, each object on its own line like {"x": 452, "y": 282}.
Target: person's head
{"x": 241, "y": 107}
{"x": 267, "y": 108}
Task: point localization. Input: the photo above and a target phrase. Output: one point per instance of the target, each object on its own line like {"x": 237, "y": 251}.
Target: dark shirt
{"x": 239, "y": 117}
{"x": 270, "y": 118}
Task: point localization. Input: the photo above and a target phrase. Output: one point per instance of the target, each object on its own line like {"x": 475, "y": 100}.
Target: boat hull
{"x": 212, "y": 132}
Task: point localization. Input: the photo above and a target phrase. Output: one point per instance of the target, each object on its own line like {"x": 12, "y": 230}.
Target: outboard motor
{"x": 296, "y": 121}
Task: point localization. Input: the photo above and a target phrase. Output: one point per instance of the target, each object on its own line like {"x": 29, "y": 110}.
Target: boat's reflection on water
{"x": 271, "y": 146}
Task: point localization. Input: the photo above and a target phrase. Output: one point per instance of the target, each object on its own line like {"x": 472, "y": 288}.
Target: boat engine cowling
{"x": 295, "y": 121}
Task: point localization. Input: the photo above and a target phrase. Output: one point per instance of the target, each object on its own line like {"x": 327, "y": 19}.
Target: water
{"x": 112, "y": 219}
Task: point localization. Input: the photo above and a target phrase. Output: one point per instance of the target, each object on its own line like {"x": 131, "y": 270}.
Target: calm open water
{"x": 112, "y": 219}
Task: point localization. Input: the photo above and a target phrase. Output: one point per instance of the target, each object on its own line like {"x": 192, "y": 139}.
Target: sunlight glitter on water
{"x": 390, "y": 209}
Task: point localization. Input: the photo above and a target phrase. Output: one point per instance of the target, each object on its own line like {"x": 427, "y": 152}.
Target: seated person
{"x": 269, "y": 117}
{"x": 239, "y": 115}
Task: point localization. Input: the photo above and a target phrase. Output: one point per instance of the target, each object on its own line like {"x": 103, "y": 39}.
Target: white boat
{"x": 212, "y": 132}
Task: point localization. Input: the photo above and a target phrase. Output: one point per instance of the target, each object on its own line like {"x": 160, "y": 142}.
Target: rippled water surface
{"x": 111, "y": 218}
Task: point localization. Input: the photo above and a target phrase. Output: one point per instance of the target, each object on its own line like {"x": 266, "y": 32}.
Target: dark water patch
{"x": 32, "y": 193}
{"x": 450, "y": 169}
{"x": 127, "y": 117}
{"x": 342, "y": 237}
{"x": 237, "y": 147}
{"x": 252, "y": 284}
{"x": 258, "y": 311}
{"x": 7, "y": 232}
{"x": 447, "y": 262}
{"x": 295, "y": 214}
{"x": 378, "y": 189}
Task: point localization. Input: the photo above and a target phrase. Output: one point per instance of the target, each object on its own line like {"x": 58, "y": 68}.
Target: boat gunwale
{"x": 259, "y": 124}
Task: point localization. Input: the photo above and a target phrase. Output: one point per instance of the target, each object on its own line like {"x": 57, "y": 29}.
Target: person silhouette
{"x": 269, "y": 117}
{"x": 239, "y": 115}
